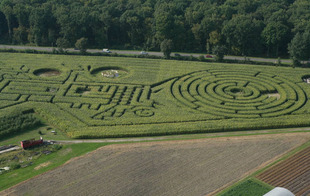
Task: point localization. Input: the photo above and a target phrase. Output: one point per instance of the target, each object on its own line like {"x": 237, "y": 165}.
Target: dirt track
{"x": 192, "y": 167}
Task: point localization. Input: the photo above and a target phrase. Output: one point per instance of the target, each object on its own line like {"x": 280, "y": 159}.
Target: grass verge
{"x": 248, "y": 187}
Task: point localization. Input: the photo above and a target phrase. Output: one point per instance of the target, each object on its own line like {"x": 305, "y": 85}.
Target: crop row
{"x": 14, "y": 123}
{"x": 292, "y": 173}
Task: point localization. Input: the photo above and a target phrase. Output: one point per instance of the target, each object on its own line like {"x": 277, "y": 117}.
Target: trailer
{"x": 31, "y": 142}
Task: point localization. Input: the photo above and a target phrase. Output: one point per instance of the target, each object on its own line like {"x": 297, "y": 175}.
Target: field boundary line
{"x": 189, "y": 136}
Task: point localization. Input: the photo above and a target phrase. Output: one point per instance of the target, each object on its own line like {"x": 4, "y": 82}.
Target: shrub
{"x": 62, "y": 44}
{"x": 219, "y": 52}
{"x": 14, "y": 166}
{"x": 166, "y": 47}
{"x": 81, "y": 44}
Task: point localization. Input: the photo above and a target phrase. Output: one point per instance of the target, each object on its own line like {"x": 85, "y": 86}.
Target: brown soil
{"x": 292, "y": 173}
{"x": 48, "y": 73}
{"x": 190, "y": 167}
{"x": 42, "y": 165}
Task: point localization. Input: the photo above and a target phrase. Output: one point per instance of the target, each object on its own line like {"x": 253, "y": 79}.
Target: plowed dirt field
{"x": 190, "y": 167}
{"x": 292, "y": 173}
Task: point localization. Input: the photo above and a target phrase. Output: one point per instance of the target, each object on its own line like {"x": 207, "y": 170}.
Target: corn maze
{"x": 239, "y": 95}
{"x": 151, "y": 97}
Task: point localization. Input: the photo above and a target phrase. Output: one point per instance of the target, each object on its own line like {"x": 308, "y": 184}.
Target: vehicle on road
{"x": 105, "y": 50}
{"x": 209, "y": 56}
{"x": 176, "y": 54}
{"x": 144, "y": 53}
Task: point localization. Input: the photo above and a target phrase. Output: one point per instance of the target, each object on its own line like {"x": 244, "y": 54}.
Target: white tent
{"x": 279, "y": 191}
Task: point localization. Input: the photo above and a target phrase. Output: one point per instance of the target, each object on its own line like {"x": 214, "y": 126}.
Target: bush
{"x": 81, "y": 44}
{"x": 62, "y": 44}
{"x": 219, "y": 51}
{"x": 201, "y": 58}
{"x": 56, "y": 147}
{"x": 166, "y": 47}
{"x": 14, "y": 166}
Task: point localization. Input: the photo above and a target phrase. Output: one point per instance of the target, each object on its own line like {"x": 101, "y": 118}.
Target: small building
{"x": 279, "y": 191}
{"x": 30, "y": 143}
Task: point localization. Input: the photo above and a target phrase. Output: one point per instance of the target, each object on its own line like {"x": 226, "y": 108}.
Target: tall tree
{"x": 132, "y": 23}
{"x": 81, "y": 44}
{"x": 166, "y": 47}
{"x": 163, "y": 21}
{"x": 21, "y": 12}
{"x": 3, "y": 27}
{"x": 242, "y": 34}
{"x": 7, "y": 10}
{"x": 274, "y": 34}
{"x": 299, "y": 15}
{"x": 299, "y": 48}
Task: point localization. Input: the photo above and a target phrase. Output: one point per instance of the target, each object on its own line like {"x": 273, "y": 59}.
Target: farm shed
{"x": 279, "y": 191}
{"x": 30, "y": 143}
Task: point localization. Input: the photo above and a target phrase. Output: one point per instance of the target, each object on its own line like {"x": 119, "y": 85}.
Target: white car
{"x": 144, "y": 53}
{"x": 106, "y": 51}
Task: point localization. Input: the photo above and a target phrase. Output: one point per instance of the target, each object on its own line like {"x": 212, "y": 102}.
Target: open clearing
{"x": 190, "y": 167}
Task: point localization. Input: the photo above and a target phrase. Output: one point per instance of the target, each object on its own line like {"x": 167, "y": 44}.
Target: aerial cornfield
{"x": 97, "y": 97}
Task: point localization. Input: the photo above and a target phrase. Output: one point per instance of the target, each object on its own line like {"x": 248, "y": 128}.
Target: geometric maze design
{"x": 95, "y": 100}
{"x": 83, "y": 104}
{"x": 220, "y": 93}
{"x": 233, "y": 94}
{"x": 110, "y": 100}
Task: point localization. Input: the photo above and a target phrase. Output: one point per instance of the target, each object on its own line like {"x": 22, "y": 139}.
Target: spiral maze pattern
{"x": 236, "y": 94}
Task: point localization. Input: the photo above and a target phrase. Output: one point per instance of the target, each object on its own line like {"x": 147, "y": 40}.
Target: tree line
{"x": 240, "y": 27}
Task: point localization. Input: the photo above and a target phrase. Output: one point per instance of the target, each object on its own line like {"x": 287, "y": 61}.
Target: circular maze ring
{"x": 236, "y": 94}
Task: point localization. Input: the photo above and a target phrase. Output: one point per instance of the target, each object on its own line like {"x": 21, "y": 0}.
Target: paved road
{"x": 50, "y": 49}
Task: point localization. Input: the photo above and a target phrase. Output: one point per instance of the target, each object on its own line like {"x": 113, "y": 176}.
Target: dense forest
{"x": 243, "y": 27}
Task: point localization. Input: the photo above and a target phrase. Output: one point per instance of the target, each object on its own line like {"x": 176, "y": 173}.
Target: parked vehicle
{"x": 105, "y": 50}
